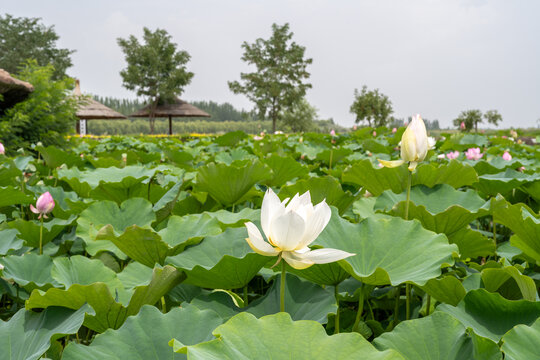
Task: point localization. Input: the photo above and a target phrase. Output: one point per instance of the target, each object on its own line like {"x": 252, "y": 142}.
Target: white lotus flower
{"x": 414, "y": 145}
{"x": 290, "y": 228}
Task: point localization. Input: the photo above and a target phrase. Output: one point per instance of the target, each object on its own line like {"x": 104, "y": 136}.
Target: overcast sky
{"x": 433, "y": 57}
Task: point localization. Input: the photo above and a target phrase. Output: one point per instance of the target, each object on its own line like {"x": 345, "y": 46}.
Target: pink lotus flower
{"x": 257, "y": 138}
{"x": 2, "y": 149}
{"x": 506, "y": 156}
{"x": 332, "y": 132}
{"x": 355, "y": 127}
{"x": 473, "y": 154}
{"x": 462, "y": 125}
{"x": 44, "y": 205}
{"x": 374, "y": 133}
{"x": 504, "y": 137}
{"x": 452, "y": 155}
{"x": 394, "y": 130}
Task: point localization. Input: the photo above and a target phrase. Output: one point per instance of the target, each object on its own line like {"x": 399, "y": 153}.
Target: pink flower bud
{"x": 462, "y": 126}
{"x": 521, "y": 169}
{"x": 332, "y": 132}
{"x": 506, "y": 156}
{"x": 374, "y": 133}
{"x": 355, "y": 127}
{"x": 394, "y": 130}
{"x": 2, "y": 149}
{"x": 44, "y": 205}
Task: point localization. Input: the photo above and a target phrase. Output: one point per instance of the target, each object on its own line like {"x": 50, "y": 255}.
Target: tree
{"x": 300, "y": 117}
{"x": 471, "y": 118}
{"x": 156, "y": 70}
{"x": 278, "y": 82}
{"x": 371, "y": 106}
{"x": 22, "y": 39}
{"x": 493, "y": 117}
{"x": 47, "y": 115}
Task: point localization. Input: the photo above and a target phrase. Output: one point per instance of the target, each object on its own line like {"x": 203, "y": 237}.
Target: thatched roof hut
{"x": 178, "y": 108}
{"x": 91, "y": 109}
{"x": 12, "y": 90}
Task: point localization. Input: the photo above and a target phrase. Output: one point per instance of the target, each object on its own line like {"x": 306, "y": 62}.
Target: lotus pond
{"x": 144, "y": 255}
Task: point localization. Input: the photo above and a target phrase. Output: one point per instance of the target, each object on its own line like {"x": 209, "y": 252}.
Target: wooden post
{"x": 170, "y": 125}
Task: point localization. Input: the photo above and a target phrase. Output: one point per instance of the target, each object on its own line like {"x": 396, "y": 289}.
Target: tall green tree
{"x": 371, "y": 106}
{"x": 471, "y": 119}
{"x": 493, "y": 117}
{"x": 47, "y": 115}
{"x": 279, "y": 79}
{"x": 23, "y": 38}
{"x": 156, "y": 69}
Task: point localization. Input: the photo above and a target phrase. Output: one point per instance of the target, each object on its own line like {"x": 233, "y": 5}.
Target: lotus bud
{"x": 44, "y": 205}
{"x": 332, "y": 132}
{"x": 374, "y": 133}
{"x": 414, "y": 145}
{"x": 394, "y": 130}
{"x": 462, "y": 125}
{"x": 2, "y": 149}
{"x": 506, "y": 156}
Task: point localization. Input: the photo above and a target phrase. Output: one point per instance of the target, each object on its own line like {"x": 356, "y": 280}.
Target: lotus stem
{"x": 41, "y": 236}
{"x": 246, "y": 295}
{"x": 494, "y": 231}
{"x": 163, "y": 305}
{"x": 409, "y": 180}
{"x": 396, "y": 307}
{"x": 331, "y": 156}
{"x": 428, "y": 304}
{"x": 282, "y": 288}
{"x": 336, "y": 322}
{"x": 360, "y": 308}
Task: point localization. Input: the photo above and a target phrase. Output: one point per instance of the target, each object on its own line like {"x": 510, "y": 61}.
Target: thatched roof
{"x": 91, "y": 109}
{"x": 12, "y": 90}
{"x": 178, "y": 108}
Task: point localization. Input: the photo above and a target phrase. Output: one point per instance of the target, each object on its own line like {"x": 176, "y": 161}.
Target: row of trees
{"x": 470, "y": 119}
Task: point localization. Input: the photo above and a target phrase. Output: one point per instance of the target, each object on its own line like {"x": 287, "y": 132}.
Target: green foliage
{"x": 46, "y": 116}
{"x": 278, "y": 82}
{"x": 300, "y": 117}
{"x": 373, "y": 107}
{"x": 493, "y": 117}
{"x": 471, "y": 119}
{"x": 22, "y": 39}
{"x": 155, "y": 70}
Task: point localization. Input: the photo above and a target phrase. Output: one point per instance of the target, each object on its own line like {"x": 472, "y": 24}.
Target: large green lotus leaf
{"x": 135, "y": 274}
{"x": 331, "y": 157}
{"x": 223, "y": 261}
{"x": 232, "y": 155}
{"x": 29, "y": 229}
{"x": 284, "y": 168}
{"x": 10, "y": 241}
{"x": 111, "y": 310}
{"x": 473, "y": 139}
{"x": 142, "y": 245}
{"x": 278, "y": 337}
{"x": 134, "y": 211}
{"x": 388, "y": 251}
{"x": 472, "y": 243}
{"x": 438, "y": 336}
{"x": 13, "y": 196}
{"x": 490, "y": 315}
{"x": 28, "y": 335}
{"x": 322, "y": 274}
{"x": 310, "y": 151}
{"x": 441, "y": 209}
{"x": 146, "y": 336}
{"x": 320, "y": 188}
{"x": 31, "y": 271}
{"x": 232, "y": 219}
{"x": 9, "y": 172}
{"x": 303, "y": 301}
{"x": 504, "y": 280}
{"x": 375, "y": 146}
{"x": 533, "y": 189}
{"x": 496, "y": 165}
{"x": 522, "y": 342}
{"x": 165, "y": 205}
{"x": 447, "y": 290}
{"x": 377, "y": 180}
{"x": 116, "y": 183}
{"x": 231, "y": 138}
{"x": 504, "y": 182}
{"x": 81, "y": 270}
{"x": 181, "y": 158}
{"x": 227, "y": 184}
{"x": 522, "y": 221}
{"x": 182, "y": 231}
{"x": 55, "y": 157}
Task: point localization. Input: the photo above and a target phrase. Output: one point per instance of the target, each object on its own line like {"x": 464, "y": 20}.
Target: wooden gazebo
{"x": 91, "y": 109}
{"x": 12, "y": 90}
{"x": 178, "y": 108}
